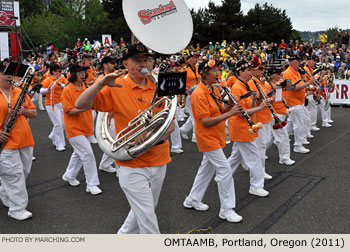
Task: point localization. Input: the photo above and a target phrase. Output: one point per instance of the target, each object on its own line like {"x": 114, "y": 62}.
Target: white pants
{"x": 189, "y": 124}
{"x": 280, "y": 137}
{"x": 312, "y": 107}
{"x": 307, "y": 122}
{"x": 325, "y": 114}
{"x": 142, "y": 188}
{"x": 176, "y": 142}
{"x": 38, "y": 97}
{"x": 56, "y": 117}
{"x": 249, "y": 153}
{"x": 15, "y": 166}
{"x": 215, "y": 161}
{"x": 296, "y": 124}
{"x": 263, "y": 140}
{"x": 106, "y": 160}
{"x": 82, "y": 156}
{"x": 180, "y": 112}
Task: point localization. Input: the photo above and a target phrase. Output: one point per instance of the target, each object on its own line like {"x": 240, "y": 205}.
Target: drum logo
{"x": 149, "y": 15}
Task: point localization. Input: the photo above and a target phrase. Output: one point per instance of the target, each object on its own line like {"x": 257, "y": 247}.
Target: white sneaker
{"x": 310, "y": 136}
{"x": 199, "y": 206}
{"x": 267, "y": 176}
{"x": 266, "y": 157}
{"x": 326, "y": 125}
{"x": 258, "y": 191}
{"x": 178, "y": 151}
{"x": 94, "y": 190}
{"x": 42, "y": 109}
{"x": 314, "y": 128}
{"x": 193, "y": 140}
{"x": 287, "y": 161}
{"x": 20, "y": 215}
{"x": 93, "y": 139}
{"x": 301, "y": 149}
{"x": 245, "y": 167}
{"x": 33, "y": 158}
{"x": 5, "y": 200}
{"x": 184, "y": 136}
{"x": 181, "y": 119}
{"x": 306, "y": 142}
{"x": 228, "y": 141}
{"x": 330, "y": 121}
{"x": 230, "y": 215}
{"x": 72, "y": 182}
{"x": 109, "y": 169}
{"x": 60, "y": 148}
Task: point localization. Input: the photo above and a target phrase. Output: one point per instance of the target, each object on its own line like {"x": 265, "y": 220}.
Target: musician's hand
{"x": 264, "y": 104}
{"x": 22, "y": 111}
{"x": 235, "y": 109}
{"x": 312, "y": 80}
{"x": 141, "y": 138}
{"x": 4, "y": 137}
{"x": 278, "y": 83}
{"x": 109, "y": 79}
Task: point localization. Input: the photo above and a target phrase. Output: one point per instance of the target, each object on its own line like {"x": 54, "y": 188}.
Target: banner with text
{"x": 343, "y": 97}
{"x": 9, "y": 13}
{"x": 107, "y": 40}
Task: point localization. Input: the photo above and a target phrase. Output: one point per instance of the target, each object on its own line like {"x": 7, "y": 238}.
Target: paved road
{"x": 311, "y": 196}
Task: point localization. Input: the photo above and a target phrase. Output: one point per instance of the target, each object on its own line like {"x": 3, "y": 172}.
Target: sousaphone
{"x": 164, "y": 26}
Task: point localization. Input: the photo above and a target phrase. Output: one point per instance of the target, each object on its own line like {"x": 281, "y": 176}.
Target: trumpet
{"x": 279, "y": 124}
{"x": 254, "y": 127}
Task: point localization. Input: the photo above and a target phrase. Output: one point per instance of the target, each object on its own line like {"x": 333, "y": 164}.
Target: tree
{"x": 267, "y": 23}
{"x": 31, "y": 7}
{"x": 117, "y": 24}
{"x": 332, "y": 33}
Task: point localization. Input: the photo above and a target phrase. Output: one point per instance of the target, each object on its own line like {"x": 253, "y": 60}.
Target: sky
{"x": 306, "y": 15}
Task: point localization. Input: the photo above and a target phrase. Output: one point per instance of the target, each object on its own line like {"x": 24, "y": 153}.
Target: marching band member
{"x": 245, "y": 147}
{"x": 193, "y": 77}
{"x": 280, "y": 136}
{"x": 37, "y": 96}
{"x": 312, "y": 106}
{"x": 295, "y": 99}
{"x": 325, "y": 112}
{"x": 141, "y": 179}
{"x": 79, "y": 125}
{"x": 264, "y": 116}
{"x": 17, "y": 153}
{"x": 106, "y": 164}
{"x": 209, "y": 121}
{"x": 52, "y": 88}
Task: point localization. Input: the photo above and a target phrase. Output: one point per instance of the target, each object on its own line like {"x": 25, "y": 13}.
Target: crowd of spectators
{"x": 334, "y": 54}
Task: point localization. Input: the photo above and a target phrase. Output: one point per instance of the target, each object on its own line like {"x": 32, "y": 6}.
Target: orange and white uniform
{"x": 245, "y": 147}
{"x": 141, "y": 178}
{"x": 296, "y": 100}
{"x": 210, "y": 142}
{"x": 54, "y": 109}
{"x": 78, "y": 129}
{"x": 16, "y": 156}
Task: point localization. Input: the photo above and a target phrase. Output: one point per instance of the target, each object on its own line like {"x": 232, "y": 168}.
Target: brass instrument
{"x": 181, "y": 100}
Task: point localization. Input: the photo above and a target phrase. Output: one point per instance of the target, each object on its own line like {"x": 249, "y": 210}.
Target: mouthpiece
{"x": 144, "y": 71}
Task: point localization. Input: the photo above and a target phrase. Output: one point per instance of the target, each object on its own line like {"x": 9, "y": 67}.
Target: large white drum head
{"x": 165, "y": 26}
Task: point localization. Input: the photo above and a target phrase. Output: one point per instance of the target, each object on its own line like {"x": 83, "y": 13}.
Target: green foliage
{"x": 31, "y": 7}
{"x": 296, "y": 35}
{"x": 65, "y": 22}
{"x": 332, "y": 33}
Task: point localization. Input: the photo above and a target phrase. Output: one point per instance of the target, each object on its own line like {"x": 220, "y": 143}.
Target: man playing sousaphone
{"x": 141, "y": 179}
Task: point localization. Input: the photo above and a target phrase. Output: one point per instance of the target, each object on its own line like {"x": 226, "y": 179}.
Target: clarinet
{"x": 278, "y": 123}
{"x": 27, "y": 79}
{"x": 274, "y": 89}
{"x": 253, "y": 127}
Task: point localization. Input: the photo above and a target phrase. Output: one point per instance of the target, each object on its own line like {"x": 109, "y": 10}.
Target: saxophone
{"x": 10, "y": 122}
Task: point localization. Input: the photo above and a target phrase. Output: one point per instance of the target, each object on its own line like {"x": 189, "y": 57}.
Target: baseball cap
{"x": 77, "y": 68}
{"x": 136, "y": 50}
{"x": 107, "y": 59}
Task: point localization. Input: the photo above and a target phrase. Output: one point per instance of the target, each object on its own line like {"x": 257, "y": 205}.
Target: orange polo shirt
{"x": 231, "y": 80}
{"x": 238, "y": 126}
{"x": 91, "y": 75}
{"x": 191, "y": 79}
{"x": 279, "y": 106}
{"x": 80, "y": 124}
{"x": 204, "y": 106}
{"x": 294, "y": 98}
{"x": 56, "y": 90}
{"x": 20, "y": 135}
{"x": 126, "y": 103}
{"x": 264, "y": 115}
